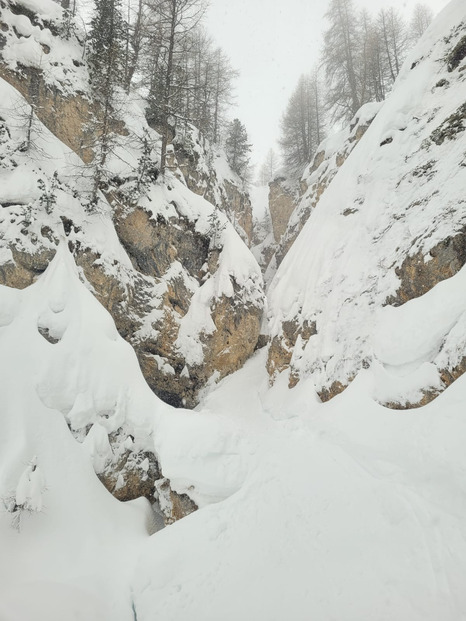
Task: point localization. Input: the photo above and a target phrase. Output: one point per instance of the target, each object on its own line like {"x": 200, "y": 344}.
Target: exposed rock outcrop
{"x": 282, "y": 202}
{"x": 175, "y": 248}
{"x": 181, "y": 286}
{"x": 205, "y": 170}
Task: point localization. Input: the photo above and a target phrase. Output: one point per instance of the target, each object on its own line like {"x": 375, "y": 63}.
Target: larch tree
{"x": 340, "y": 60}
{"x": 135, "y": 33}
{"x": 302, "y": 125}
{"x": 420, "y": 21}
{"x": 173, "y": 21}
{"x": 269, "y": 168}
{"x": 394, "y": 37}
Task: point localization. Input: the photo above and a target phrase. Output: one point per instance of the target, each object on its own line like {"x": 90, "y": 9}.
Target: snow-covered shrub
{"x": 28, "y": 495}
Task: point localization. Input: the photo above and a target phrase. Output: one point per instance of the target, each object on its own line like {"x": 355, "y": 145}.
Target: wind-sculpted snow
{"x": 383, "y": 232}
{"x": 73, "y": 399}
{"x": 344, "y": 509}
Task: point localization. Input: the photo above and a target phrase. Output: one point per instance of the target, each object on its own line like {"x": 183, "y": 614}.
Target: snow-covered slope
{"x": 66, "y": 543}
{"x": 182, "y": 287}
{"x": 345, "y": 509}
{"x": 330, "y": 156}
{"x": 73, "y": 401}
{"x": 388, "y": 228}
{"x": 348, "y": 511}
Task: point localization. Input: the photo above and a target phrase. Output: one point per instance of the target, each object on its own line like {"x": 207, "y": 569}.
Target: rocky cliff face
{"x": 175, "y": 241}
{"x": 206, "y": 172}
{"x": 282, "y": 202}
{"x": 387, "y": 230}
{"x": 180, "y": 284}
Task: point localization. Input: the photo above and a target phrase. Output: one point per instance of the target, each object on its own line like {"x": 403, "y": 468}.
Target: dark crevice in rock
{"x": 457, "y": 55}
{"x": 451, "y": 127}
{"x": 45, "y": 332}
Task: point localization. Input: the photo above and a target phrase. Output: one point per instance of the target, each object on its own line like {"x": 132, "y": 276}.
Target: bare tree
{"x": 302, "y": 125}
{"x": 269, "y": 167}
{"x": 341, "y": 44}
{"x": 422, "y": 17}
{"x": 394, "y": 34}
{"x": 173, "y": 21}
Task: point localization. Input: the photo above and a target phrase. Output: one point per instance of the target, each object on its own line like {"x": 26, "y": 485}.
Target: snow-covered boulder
{"x": 390, "y": 226}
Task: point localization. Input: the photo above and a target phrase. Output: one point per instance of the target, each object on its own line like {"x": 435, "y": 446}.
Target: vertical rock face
{"x": 182, "y": 287}
{"x": 206, "y": 172}
{"x": 180, "y": 284}
{"x": 282, "y": 202}
{"x": 381, "y": 255}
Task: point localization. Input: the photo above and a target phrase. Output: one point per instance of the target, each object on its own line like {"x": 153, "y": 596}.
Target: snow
{"x": 380, "y": 208}
{"x": 32, "y": 45}
{"x": 22, "y": 195}
{"x": 71, "y": 532}
{"x": 260, "y": 201}
{"x": 345, "y": 510}
{"x": 342, "y": 510}
{"x": 424, "y": 323}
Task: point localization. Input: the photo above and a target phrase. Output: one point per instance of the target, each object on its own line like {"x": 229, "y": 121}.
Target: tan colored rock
{"x": 202, "y": 180}
{"x": 173, "y": 506}
{"x": 282, "y": 203}
{"x": 418, "y": 274}
{"x": 281, "y": 347}
{"x": 170, "y": 259}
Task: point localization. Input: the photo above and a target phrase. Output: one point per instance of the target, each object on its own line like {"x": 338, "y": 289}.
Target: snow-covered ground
{"x": 348, "y": 511}
{"x": 344, "y": 510}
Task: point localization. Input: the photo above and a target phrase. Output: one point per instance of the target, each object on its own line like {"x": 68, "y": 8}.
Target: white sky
{"x": 271, "y": 43}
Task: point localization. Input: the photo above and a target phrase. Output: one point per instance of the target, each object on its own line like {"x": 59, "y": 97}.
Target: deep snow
{"x": 344, "y": 510}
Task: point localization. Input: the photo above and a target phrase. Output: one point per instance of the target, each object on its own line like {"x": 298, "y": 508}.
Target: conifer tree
{"x": 106, "y": 46}
{"x": 238, "y": 148}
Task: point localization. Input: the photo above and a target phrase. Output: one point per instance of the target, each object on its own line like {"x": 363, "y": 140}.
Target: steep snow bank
{"x": 75, "y": 545}
{"x": 384, "y": 231}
